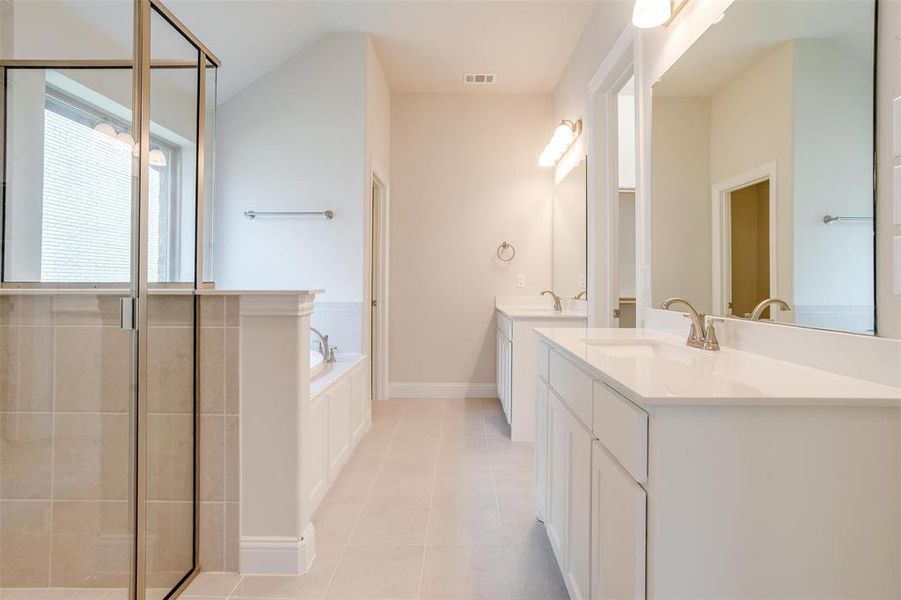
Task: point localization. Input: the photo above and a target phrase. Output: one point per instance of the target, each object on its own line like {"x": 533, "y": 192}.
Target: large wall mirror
{"x": 762, "y": 160}
{"x": 570, "y": 245}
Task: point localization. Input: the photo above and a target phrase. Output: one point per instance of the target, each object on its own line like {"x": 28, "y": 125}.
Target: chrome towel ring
{"x": 506, "y": 252}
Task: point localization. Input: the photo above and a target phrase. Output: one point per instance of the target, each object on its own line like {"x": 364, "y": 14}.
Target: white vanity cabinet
{"x": 505, "y": 371}
{"x": 516, "y": 344}
{"x": 712, "y": 475}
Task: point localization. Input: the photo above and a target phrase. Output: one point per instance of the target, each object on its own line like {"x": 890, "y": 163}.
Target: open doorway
{"x": 749, "y": 235}
{"x": 744, "y": 242}
{"x": 378, "y": 345}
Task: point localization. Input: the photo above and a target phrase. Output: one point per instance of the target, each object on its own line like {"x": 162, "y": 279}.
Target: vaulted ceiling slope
{"x": 424, "y": 46}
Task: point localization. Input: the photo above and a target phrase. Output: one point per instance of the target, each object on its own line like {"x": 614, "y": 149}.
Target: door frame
{"x": 721, "y": 193}
{"x": 379, "y": 321}
{"x": 603, "y": 179}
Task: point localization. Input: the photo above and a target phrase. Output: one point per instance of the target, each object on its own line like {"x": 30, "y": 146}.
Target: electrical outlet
{"x": 520, "y": 280}
{"x": 581, "y": 282}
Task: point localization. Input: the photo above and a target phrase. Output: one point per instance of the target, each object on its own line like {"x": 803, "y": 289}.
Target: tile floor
{"x": 436, "y": 502}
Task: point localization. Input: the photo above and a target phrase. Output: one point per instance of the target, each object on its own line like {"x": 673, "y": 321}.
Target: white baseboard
{"x": 443, "y": 390}
{"x": 273, "y": 555}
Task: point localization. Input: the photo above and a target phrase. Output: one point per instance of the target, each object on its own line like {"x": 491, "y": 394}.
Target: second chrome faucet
{"x": 703, "y": 331}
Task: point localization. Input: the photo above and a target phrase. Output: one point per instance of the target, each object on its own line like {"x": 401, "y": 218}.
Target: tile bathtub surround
{"x": 342, "y": 322}
{"x": 219, "y": 418}
{"x": 436, "y": 502}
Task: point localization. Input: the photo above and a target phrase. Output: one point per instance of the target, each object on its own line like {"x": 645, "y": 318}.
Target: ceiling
{"x": 751, "y": 29}
{"x": 424, "y": 46}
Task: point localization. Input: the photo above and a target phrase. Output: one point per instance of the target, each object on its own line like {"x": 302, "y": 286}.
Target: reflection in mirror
{"x": 762, "y": 130}
{"x": 570, "y": 250}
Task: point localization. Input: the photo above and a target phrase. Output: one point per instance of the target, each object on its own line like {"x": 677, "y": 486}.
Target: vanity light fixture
{"x": 564, "y": 136}
{"x": 651, "y": 13}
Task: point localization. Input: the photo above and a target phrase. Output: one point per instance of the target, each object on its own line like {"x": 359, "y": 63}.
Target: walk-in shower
{"x": 107, "y": 112}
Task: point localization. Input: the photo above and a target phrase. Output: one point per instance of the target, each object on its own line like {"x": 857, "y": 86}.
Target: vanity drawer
{"x": 622, "y": 428}
{"x": 572, "y": 385}
{"x": 542, "y": 356}
{"x": 505, "y": 324}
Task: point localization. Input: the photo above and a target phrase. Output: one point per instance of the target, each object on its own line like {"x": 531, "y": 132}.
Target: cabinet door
{"x": 499, "y": 367}
{"x": 359, "y": 409}
{"x": 541, "y": 448}
{"x": 578, "y": 510}
{"x": 558, "y": 437}
{"x": 338, "y": 427}
{"x": 318, "y": 451}
{"x": 619, "y": 507}
{"x": 508, "y": 379}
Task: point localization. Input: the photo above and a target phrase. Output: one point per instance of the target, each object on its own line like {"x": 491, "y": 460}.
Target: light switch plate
{"x": 581, "y": 285}
{"x": 520, "y": 280}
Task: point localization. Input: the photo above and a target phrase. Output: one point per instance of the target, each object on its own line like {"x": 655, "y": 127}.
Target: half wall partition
{"x": 106, "y": 114}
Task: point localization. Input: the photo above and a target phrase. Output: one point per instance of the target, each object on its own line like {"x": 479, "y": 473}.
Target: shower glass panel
{"x": 98, "y": 361}
{"x": 170, "y": 335}
{"x": 67, "y": 367}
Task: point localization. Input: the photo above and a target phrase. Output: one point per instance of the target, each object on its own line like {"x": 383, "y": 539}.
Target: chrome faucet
{"x": 758, "y": 310}
{"x": 327, "y": 351}
{"x": 557, "y": 306}
{"x": 700, "y": 336}
{"x": 583, "y": 295}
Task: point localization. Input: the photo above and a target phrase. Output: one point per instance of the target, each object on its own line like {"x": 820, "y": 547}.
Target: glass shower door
{"x": 67, "y": 344}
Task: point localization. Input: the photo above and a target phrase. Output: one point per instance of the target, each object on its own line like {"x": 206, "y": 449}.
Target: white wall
{"x": 378, "y": 160}
{"x": 751, "y": 124}
{"x": 571, "y": 96}
{"x": 625, "y": 139}
{"x": 464, "y": 178}
{"x": 833, "y": 145}
{"x": 681, "y": 186}
{"x": 295, "y": 140}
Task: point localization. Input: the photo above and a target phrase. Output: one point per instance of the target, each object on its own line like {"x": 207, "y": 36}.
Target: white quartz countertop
{"x": 656, "y": 368}
{"x": 526, "y": 312}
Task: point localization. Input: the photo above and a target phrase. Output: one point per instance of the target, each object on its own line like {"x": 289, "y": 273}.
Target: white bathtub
{"x": 326, "y": 374}
{"x": 317, "y": 364}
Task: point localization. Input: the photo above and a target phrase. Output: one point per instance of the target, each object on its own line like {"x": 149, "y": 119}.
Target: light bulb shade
{"x": 157, "y": 158}
{"x": 563, "y": 136}
{"x": 105, "y": 128}
{"x": 651, "y": 13}
{"x": 546, "y": 159}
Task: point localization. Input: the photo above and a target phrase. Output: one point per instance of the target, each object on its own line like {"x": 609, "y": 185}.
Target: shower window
{"x": 86, "y": 221}
{"x": 68, "y": 203}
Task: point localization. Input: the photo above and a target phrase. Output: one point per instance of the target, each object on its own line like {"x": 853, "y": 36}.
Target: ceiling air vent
{"x": 479, "y": 78}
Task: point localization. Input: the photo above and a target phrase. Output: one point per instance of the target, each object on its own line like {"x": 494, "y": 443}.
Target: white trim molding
{"x": 603, "y": 175}
{"x": 295, "y": 304}
{"x": 722, "y": 279}
{"x": 443, "y": 390}
{"x": 274, "y": 555}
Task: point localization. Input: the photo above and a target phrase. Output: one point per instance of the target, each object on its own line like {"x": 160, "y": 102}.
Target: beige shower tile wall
{"x": 219, "y": 433}
{"x": 65, "y": 418}
{"x": 65, "y": 440}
